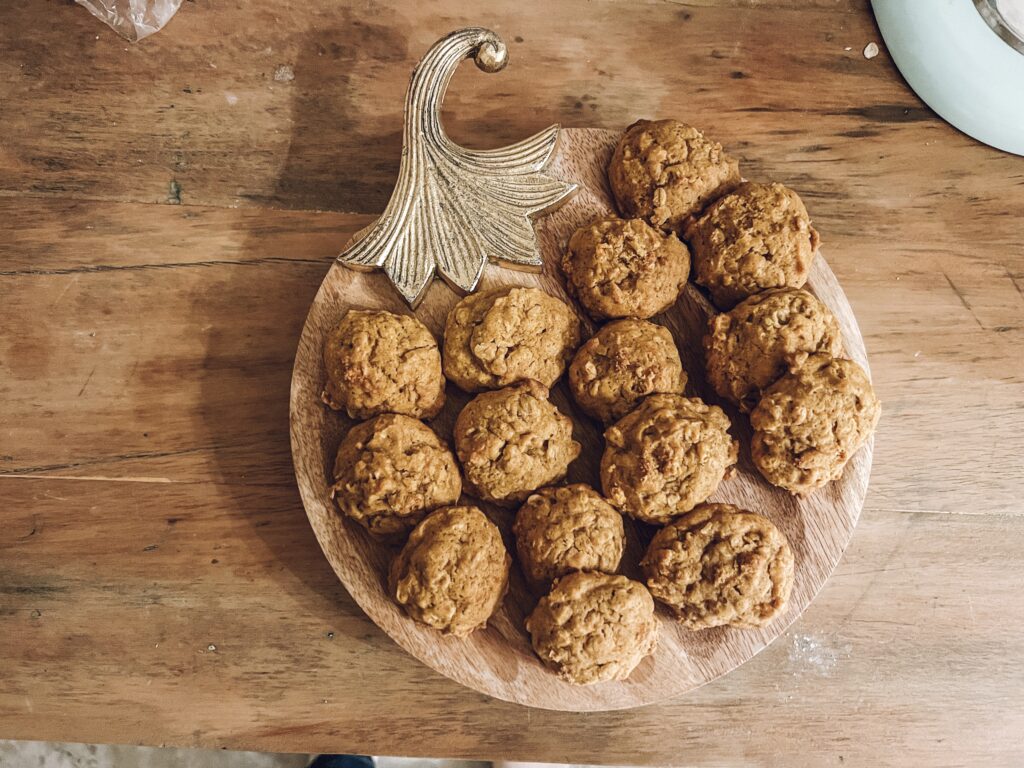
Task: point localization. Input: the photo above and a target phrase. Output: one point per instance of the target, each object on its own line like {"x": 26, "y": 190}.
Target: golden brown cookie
{"x": 666, "y": 172}
{"x": 666, "y": 456}
{"x": 764, "y": 336}
{"x": 498, "y": 337}
{"x": 379, "y": 362}
{"x": 391, "y": 471}
{"x": 453, "y": 571}
{"x": 720, "y": 565}
{"x": 565, "y": 529}
{"x": 755, "y": 238}
{"x": 593, "y": 627}
{"x": 512, "y": 441}
{"x": 625, "y": 268}
{"x": 626, "y": 361}
{"x": 810, "y": 422}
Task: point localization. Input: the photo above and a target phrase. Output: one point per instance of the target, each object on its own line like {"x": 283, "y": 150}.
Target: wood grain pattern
{"x": 499, "y": 660}
{"x": 145, "y": 367}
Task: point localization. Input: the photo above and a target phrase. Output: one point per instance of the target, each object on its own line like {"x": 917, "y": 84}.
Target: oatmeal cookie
{"x": 755, "y": 238}
{"x": 559, "y": 530}
{"x": 593, "y": 627}
{"x": 391, "y": 471}
{"x": 379, "y": 362}
{"x": 453, "y": 571}
{"x": 498, "y": 337}
{"x": 720, "y": 565}
{"x": 666, "y": 457}
{"x": 625, "y": 268}
{"x": 512, "y": 441}
{"x": 626, "y": 361}
{"x": 665, "y": 172}
{"x": 764, "y": 336}
{"x": 811, "y": 421}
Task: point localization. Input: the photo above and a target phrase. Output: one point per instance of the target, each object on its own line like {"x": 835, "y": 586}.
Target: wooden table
{"x": 167, "y": 211}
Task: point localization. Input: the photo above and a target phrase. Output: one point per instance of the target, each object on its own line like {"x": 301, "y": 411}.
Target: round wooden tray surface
{"x": 498, "y": 660}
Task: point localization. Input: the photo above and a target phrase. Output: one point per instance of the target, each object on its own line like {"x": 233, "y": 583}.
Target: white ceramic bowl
{"x": 970, "y": 74}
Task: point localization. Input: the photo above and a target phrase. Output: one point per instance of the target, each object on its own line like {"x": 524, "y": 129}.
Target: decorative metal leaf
{"x": 454, "y": 208}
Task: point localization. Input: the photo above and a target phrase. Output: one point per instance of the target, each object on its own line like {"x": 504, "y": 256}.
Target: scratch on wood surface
{"x": 138, "y": 479}
{"x": 34, "y": 590}
{"x": 104, "y": 478}
{"x": 963, "y": 299}
{"x": 888, "y": 113}
{"x": 759, "y": 4}
{"x": 172, "y": 265}
{"x": 1015, "y": 283}
{"x": 87, "y": 380}
{"x": 34, "y": 531}
{"x": 882, "y": 506}
{"x": 39, "y": 470}
{"x": 879, "y": 621}
{"x": 67, "y": 288}
{"x": 871, "y": 571}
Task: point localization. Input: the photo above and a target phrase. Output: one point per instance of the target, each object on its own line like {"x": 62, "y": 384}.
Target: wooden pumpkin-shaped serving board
{"x": 498, "y": 660}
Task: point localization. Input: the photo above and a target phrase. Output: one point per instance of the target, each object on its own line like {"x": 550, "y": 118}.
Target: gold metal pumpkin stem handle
{"x": 453, "y": 208}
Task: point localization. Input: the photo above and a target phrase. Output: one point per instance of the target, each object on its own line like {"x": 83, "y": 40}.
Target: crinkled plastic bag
{"x": 134, "y": 19}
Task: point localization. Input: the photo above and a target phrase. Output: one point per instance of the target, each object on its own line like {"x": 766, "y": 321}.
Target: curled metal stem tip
{"x": 453, "y": 209}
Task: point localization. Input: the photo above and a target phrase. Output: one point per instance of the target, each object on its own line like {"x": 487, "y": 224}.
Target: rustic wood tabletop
{"x": 167, "y": 212}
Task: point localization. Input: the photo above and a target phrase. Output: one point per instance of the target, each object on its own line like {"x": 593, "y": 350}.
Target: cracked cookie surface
{"x": 626, "y": 361}
{"x": 498, "y": 337}
{"x": 755, "y": 238}
{"x": 379, "y": 362}
{"x": 512, "y": 441}
{"x": 625, "y": 268}
{"x": 666, "y": 172}
{"x": 720, "y": 565}
{"x": 390, "y": 472}
{"x": 763, "y": 337}
{"x": 666, "y": 456}
{"x": 570, "y": 528}
{"x": 593, "y": 627}
{"x": 810, "y": 422}
{"x": 453, "y": 571}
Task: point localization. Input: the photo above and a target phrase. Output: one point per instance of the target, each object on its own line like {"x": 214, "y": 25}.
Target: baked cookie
{"x": 666, "y": 456}
{"x": 593, "y": 627}
{"x": 626, "y": 361}
{"x": 379, "y": 362}
{"x": 763, "y": 337}
{"x": 810, "y": 422}
{"x": 391, "y": 471}
{"x": 572, "y": 528}
{"x": 512, "y": 441}
{"x": 720, "y": 565}
{"x": 498, "y": 337}
{"x": 755, "y": 238}
{"x": 666, "y": 172}
{"x": 453, "y": 571}
{"x": 625, "y": 268}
